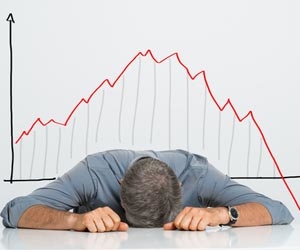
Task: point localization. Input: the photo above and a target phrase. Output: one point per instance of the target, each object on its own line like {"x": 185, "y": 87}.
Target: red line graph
{"x": 192, "y": 77}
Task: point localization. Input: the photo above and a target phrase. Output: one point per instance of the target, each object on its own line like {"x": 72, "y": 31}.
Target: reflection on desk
{"x": 254, "y": 237}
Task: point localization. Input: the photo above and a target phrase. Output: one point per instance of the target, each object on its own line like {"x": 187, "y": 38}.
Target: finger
{"x": 115, "y": 219}
{"x": 108, "y": 222}
{"x": 170, "y": 226}
{"x": 122, "y": 227}
{"x": 100, "y": 225}
{"x": 91, "y": 227}
{"x": 186, "y": 221}
{"x": 194, "y": 223}
{"x": 202, "y": 225}
{"x": 180, "y": 216}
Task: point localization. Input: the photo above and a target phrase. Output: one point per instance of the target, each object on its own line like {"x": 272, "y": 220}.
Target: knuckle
{"x": 109, "y": 225}
{"x": 99, "y": 209}
{"x": 201, "y": 226}
{"x": 176, "y": 224}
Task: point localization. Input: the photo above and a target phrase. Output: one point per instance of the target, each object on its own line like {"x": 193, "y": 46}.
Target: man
{"x": 112, "y": 190}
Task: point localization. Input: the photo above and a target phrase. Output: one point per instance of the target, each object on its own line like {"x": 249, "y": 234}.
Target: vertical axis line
{"x": 10, "y": 19}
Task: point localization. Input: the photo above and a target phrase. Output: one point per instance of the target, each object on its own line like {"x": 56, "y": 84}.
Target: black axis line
{"x": 234, "y": 178}
{"x": 33, "y": 179}
{"x": 11, "y": 20}
{"x": 266, "y": 177}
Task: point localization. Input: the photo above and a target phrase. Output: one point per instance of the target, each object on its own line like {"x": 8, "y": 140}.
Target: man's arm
{"x": 220, "y": 190}
{"x": 252, "y": 214}
{"x": 70, "y": 191}
{"x": 43, "y": 217}
{"x": 98, "y": 220}
{"x": 216, "y": 191}
{"x": 193, "y": 218}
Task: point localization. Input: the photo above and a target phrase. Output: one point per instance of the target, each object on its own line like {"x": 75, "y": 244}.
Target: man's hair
{"x": 150, "y": 193}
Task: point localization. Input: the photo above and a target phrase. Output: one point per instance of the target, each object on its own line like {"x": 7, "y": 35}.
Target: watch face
{"x": 234, "y": 213}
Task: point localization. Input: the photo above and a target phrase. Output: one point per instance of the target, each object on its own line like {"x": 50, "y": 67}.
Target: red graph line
{"x": 193, "y": 77}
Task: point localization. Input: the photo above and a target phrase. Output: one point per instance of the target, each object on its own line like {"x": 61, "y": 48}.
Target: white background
{"x": 64, "y": 49}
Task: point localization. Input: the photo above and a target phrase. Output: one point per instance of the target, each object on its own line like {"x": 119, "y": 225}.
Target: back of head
{"x": 150, "y": 193}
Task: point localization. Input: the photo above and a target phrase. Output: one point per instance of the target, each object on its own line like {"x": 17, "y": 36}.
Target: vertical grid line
{"x": 249, "y": 148}
{"x": 20, "y": 157}
{"x": 136, "y": 101}
{"x": 72, "y": 137}
{"x": 33, "y": 155}
{"x": 154, "y": 101}
{"x": 87, "y": 129}
{"x": 170, "y": 100}
{"x": 219, "y": 135}
{"x": 58, "y": 150}
{"x": 100, "y": 115}
{"x": 46, "y": 152}
{"x": 187, "y": 113}
{"x": 259, "y": 157}
{"x": 121, "y": 107}
{"x": 231, "y": 145}
{"x": 204, "y": 118}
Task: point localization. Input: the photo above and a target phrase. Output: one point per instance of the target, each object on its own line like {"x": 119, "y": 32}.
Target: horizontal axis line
{"x": 266, "y": 177}
{"x": 38, "y": 179}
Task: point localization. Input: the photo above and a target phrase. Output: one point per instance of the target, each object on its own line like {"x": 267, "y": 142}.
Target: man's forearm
{"x": 43, "y": 217}
{"x": 253, "y": 214}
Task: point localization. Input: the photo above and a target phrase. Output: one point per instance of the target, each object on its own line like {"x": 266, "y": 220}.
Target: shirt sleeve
{"x": 74, "y": 188}
{"x": 217, "y": 189}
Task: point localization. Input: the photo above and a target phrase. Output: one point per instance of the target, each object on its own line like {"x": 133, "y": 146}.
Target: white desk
{"x": 266, "y": 237}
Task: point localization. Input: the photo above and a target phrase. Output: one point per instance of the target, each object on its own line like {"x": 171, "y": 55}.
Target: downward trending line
{"x": 192, "y": 77}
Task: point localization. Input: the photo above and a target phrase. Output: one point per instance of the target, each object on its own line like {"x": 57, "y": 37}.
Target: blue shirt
{"x": 95, "y": 182}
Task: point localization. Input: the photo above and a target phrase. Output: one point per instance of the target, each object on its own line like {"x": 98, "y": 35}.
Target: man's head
{"x": 150, "y": 193}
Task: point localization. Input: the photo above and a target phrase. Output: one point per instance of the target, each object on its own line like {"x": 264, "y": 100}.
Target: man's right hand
{"x": 102, "y": 219}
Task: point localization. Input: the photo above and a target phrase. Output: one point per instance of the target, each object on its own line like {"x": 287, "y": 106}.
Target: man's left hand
{"x": 194, "y": 218}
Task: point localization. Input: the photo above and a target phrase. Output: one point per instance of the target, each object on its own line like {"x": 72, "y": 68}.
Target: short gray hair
{"x": 150, "y": 193}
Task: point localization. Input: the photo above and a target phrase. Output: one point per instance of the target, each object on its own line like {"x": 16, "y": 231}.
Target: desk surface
{"x": 266, "y": 237}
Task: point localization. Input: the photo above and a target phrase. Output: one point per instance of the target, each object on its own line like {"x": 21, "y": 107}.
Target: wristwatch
{"x": 233, "y": 215}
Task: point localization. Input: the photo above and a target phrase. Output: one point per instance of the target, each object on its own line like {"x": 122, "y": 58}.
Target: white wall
{"x": 64, "y": 50}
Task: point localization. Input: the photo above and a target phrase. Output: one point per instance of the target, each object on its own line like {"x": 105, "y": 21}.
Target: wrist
{"x": 224, "y": 216}
{"x": 233, "y": 215}
{"x": 72, "y": 221}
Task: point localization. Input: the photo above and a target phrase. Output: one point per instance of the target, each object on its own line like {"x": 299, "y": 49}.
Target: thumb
{"x": 169, "y": 226}
{"x": 122, "y": 226}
